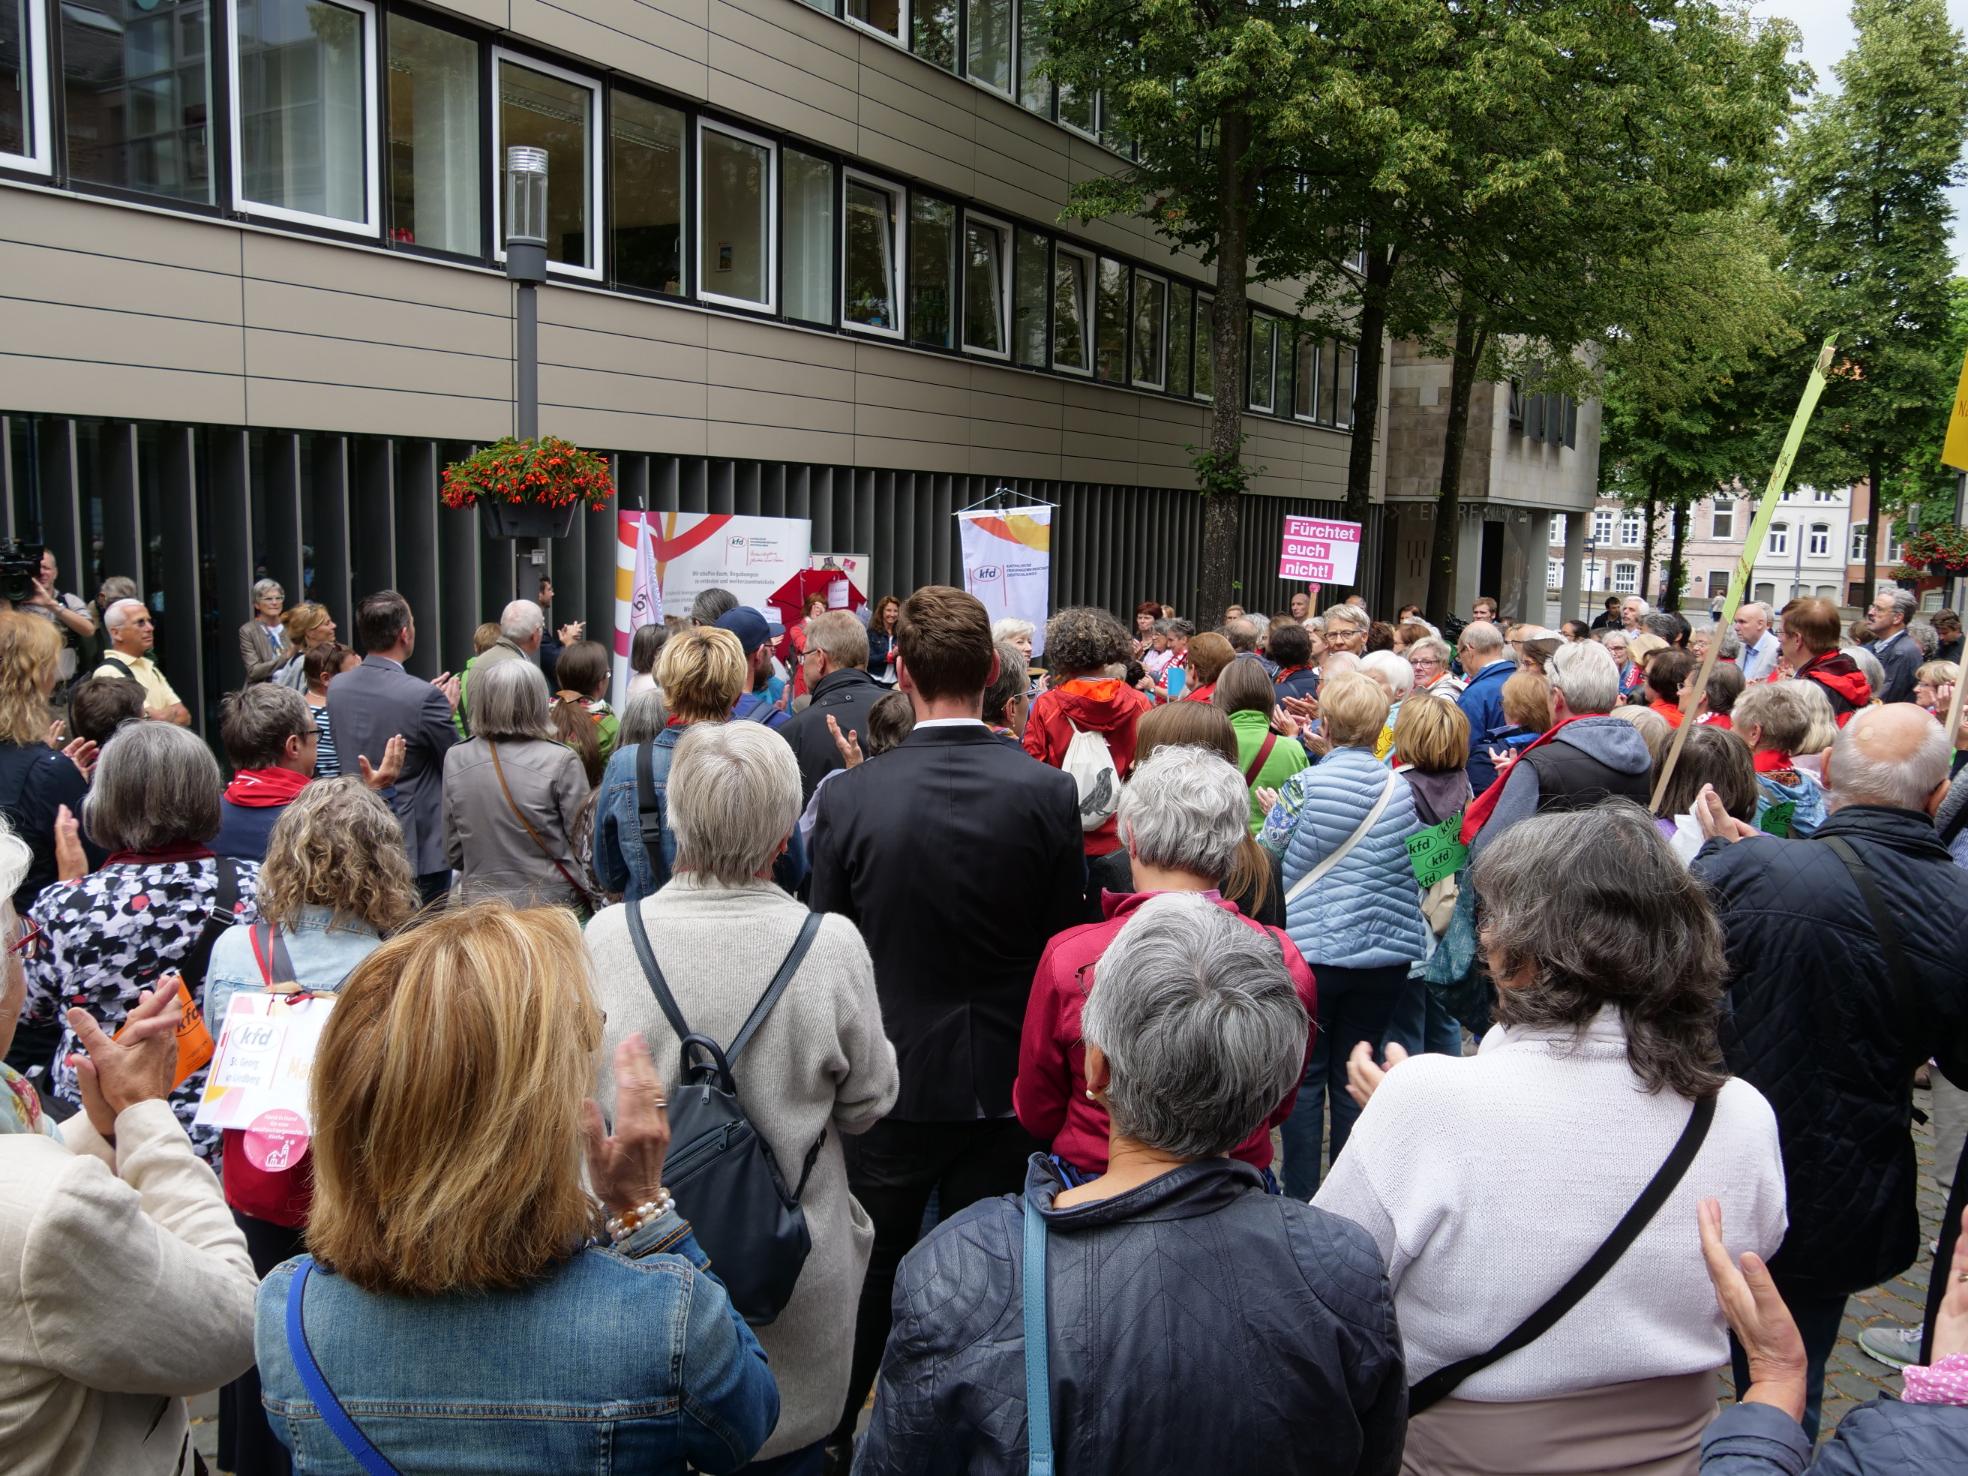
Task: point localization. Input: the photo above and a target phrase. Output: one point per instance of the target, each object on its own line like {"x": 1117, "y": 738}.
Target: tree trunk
{"x": 1221, "y": 473}
{"x": 1372, "y": 329}
{"x": 1677, "y": 544}
{"x": 1646, "y": 584}
{"x": 1875, "y": 474}
{"x": 1448, "y": 496}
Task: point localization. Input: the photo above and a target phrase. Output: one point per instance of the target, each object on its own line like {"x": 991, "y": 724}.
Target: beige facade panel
{"x": 754, "y": 442}
{"x": 621, "y": 353}
{"x": 311, "y": 405}
{"x": 681, "y": 435}
{"x": 287, "y": 307}
{"x": 40, "y": 217}
{"x": 764, "y": 375}
{"x": 633, "y": 38}
{"x": 903, "y": 455}
{"x": 780, "y": 341}
{"x": 750, "y": 409}
{"x": 32, "y": 273}
{"x": 629, "y": 394}
{"x": 762, "y": 88}
{"x": 315, "y": 359}
{"x": 68, "y": 386}
{"x": 802, "y": 36}
{"x": 626, "y": 317}
{"x": 59, "y": 330}
{"x": 368, "y": 272}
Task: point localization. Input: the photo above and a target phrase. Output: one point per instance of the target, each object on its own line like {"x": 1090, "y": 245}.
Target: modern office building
{"x": 803, "y": 263}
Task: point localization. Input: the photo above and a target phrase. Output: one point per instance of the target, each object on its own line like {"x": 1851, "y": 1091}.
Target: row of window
{"x": 1552, "y": 419}
{"x": 642, "y": 194}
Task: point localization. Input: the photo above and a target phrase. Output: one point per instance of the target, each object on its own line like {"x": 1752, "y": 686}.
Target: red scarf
{"x": 265, "y": 789}
{"x": 1285, "y": 674}
{"x": 1476, "y": 814}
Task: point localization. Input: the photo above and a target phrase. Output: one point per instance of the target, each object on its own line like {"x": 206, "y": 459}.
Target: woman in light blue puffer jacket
{"x": 1358, "y": 920}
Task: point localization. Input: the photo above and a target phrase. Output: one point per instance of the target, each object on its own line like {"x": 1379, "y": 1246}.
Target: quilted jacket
{"x": 1197, "y": 1324}
{"x": 1882, "y": 1438}
{"x": 1366, "y": 912}
{"x": 1813, "y": 1025}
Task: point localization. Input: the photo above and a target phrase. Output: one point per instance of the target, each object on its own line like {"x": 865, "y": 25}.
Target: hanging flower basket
{"x": 1939, "y": 552}
{"x": 529, "y": 489}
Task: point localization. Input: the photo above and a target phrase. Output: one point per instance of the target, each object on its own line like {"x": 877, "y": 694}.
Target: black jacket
{"x": 1196, "y": 1324}
{"x": 958, "y": 857}
{"x": 847, "y": 695}
{"x": 1813, "y": 1025}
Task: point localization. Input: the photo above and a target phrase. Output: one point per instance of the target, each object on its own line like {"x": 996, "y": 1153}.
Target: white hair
{"x": 1185, "y": 809}
{"x": 521, "y": 620}
{"x": 1480, "y": 635}
{"x": 1397, "y": 672}
{"x": 734, "y": 795}
{"x": 1008, "y": 629}
{"x": 116, "y": 616}
{"x": 1335, "y": 662}
{"x": 1903, "y": 782}
{"x": 1587, "y": 675}
{"x": 264, "y": 587}
{"x": 1639, "y": 600}
{"x": 1875, "y": 672}
{"x": 1348, "y": 615}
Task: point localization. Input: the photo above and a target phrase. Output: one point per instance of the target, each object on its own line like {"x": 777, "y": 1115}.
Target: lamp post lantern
{"x": 525, "y": 221}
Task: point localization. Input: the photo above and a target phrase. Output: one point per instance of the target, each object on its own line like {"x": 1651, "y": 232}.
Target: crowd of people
{"x": 1361, "y": 1045}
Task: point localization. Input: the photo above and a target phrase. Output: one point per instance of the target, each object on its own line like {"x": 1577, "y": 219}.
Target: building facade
{"x": 804, "y": 262}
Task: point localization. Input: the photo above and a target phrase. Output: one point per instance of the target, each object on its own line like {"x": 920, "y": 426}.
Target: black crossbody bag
{"x": 1442, "y": 1383}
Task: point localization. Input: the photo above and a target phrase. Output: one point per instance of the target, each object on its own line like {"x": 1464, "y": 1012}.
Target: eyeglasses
{"x": 28, "y": 944}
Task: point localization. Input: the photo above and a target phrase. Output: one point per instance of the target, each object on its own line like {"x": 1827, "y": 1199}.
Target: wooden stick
{"x": 1746, "y": 566}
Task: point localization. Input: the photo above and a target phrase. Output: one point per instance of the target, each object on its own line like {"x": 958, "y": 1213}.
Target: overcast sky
{"x": 1828, "y": 35}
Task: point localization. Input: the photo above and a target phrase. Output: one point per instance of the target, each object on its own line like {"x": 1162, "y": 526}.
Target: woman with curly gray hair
{"x": 1603, "y": 1077}
{"x": 1088, "y": 651}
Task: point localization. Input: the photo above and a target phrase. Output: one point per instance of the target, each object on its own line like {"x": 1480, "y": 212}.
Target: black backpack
{"x": 721, "y": 1171}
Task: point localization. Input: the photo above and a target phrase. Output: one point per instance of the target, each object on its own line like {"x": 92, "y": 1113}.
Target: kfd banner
{"x": 692, "y": 552}
{"x": 1320, "y": 551}
{"x": 1007, "y": 559}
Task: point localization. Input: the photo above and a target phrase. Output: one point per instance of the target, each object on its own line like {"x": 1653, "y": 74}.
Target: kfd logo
{"x": 985, "y": 573}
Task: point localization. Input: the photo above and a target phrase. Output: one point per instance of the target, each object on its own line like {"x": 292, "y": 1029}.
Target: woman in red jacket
{"x": 1087, "y": 652}
{"x": 1183, "y": 818}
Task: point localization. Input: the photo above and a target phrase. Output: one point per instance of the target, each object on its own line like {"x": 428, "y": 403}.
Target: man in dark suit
{"x": 837, "y": 676}
{"x": 378, "y": 700}
{"x": 958, "y": 858}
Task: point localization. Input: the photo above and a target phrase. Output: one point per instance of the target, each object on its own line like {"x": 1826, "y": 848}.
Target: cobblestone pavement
{"x": 1851, "y": 1378}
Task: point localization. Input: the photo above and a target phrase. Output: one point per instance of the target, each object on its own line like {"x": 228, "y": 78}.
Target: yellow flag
{"x": 1955, "y": 452}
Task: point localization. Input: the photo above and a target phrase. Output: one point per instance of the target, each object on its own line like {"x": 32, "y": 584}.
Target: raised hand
{"x": 82, "y": 753}
{"x": 115, "y": 1074}
{"x": 848, "y": 745}
{"x": 626, "y": 1167}
{"x": 385, "y": 774}
{"x": 448, "y": 686}
{"x": 1760, "y": 1320}
{"x": 71, "y": 861}
{"x": 1363, "y": 1078}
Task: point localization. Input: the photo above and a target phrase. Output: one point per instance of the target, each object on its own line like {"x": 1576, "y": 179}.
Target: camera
{"x": 20, "y": 566}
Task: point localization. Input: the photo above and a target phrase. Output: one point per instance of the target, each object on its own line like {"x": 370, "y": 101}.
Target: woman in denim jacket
{"x": 464, "y": 1310}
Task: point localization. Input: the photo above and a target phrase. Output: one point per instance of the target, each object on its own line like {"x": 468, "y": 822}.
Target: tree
{"x": 1864, "y": 203}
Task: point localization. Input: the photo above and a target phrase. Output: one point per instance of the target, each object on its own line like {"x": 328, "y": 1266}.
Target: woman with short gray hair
{"x": 262, "y": 644}
{"x": 117, "y": 931}
{"x": 718, "y": 933}
{"x": 1182, "y": 824}
{"x": 1193, "y": 1032}
{"x": 513, "y": 796}
{"x": 1605, "y": 1060}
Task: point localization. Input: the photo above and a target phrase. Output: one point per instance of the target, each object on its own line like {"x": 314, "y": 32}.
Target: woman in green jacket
{"x": 1268, "y": 758}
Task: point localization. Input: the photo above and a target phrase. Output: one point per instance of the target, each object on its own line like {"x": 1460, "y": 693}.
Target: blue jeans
{"x": 1354, "y": 1005}
{"x": 1421, "y": 1024}
{"x": 1818, "y": 1318}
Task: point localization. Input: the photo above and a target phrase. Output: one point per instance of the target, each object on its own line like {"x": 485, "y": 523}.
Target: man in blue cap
{"x": 754, "y": 705}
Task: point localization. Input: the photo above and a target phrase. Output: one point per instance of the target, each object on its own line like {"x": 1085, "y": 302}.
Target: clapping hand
{"x": 1951, "y": 1322}
{"x": 82, "y": 753}
{"x": 1284, "y": 724}
{"x": 383, "y": 775}
{"x": 1306, "y": 708}
{"x": 626, "y": 1167}
{"x": 848, "y": 745}
{"x": 1760, "y": 1320}
{"x": 1267, "y": 798}
{"x": 115, "y": 1074}
{"x": 1363, "y": 1078}
{"x": 572, "y": 631}
{"x": 71, "y": 861}
{"x": 1716, "y": 822}
{"x": 1501, "y": 759}
{"x": 448, "y": 686}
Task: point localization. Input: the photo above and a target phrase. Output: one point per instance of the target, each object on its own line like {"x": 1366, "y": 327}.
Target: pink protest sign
{"x": 1320, "y": 551}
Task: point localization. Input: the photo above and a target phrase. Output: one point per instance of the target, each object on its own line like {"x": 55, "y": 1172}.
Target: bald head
{"x": 1895, "y": 755}
{"x": 1481, "y": 639}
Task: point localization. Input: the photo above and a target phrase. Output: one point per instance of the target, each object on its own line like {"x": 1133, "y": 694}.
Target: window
{"x": 884, "y": 17}
{"x": 434, "y": 175}
{"x": 734, "y": 217}
{"x": 1072, "y": 292}
{"x": 1110, "y": 323}
{"x": 871, "y": 254}
{"x": 1718, "y": 583}
{"x": 1342, "y": 410}
{"x": 1818, "y": 542}
{"x": 1630, "y": 530}
{"x": 1858, "y": 548}
{"x": 1034, "y": 90}
{"x": 934, "y": 26}
{"x": 136, "y": 87}
{"x": 932, "y": 284}
{"x": 1554, "y": 573}
{"x": 987, "y": 36}
{"x": 1181, "y": 356}
{"x": 304, "y": 111}
{"x": 1028, "y": 300}
{"x": 1076, "y": 112}
{"x": 548, "y": 108}
{"x": 1626, "y": 579}
{"x": 1205, "y": 347}
{"x": 807, "y": 240}
{"x": 1765, "y": 594}
{"x": 1305, "y": 379}
{"x": 1602, "y": 525}
{"x": 1779, "y": 539}
{"x": 24, "y": 86}
{"x": 1722, "y": 520}
{"x": 987, "y": 286}
{"x": 1825, "y": 495}
{"x": 1263, "y": 362}
{"x": 1555, "y": 531}
{"x": 1892, "y": 544}
{"x": 646, "y": 193}
{"x": 1150, "y": 330}
{"x": 1328, "y": 383}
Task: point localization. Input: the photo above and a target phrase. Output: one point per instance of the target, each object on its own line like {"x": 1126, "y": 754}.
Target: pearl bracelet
{"x": 622, "y": 1226}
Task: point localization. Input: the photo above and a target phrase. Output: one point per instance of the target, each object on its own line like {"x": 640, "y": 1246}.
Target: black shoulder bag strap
{"x": 1440, "y": 1384}
{"x": 121, "y": 666}
{"x": 1914, "y": 1029}
{"x": 646, "y": 956}
{"x": 223, "y": 914}
{"x": 646, "y": 816}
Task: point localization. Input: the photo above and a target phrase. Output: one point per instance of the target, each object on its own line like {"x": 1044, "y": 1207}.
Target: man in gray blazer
{"x": 378, "y": 700}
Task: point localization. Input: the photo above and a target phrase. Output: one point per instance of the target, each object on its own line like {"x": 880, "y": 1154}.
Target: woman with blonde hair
{"x": 1633, "y": 677}
{"x": 701, "y": 673}
{"x": 478, "y": 1033}
{"x": 335, "y": 882}
{"x": 305, "y": 626}
{"x": 37, "y": 781}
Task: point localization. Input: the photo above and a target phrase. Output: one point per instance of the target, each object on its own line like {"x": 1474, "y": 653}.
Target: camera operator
{"x": 71, "y": 619}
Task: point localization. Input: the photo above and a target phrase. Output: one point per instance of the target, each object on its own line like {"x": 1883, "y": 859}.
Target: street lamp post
{"x": 526, "y": 265}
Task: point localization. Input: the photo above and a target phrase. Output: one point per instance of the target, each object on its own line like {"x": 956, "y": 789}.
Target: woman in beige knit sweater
{"x": 124, "y": 1283}
{"x": 819, "y": 1066}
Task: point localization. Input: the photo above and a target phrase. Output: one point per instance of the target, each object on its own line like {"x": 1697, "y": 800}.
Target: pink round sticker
{"x": 275, "y": 1140}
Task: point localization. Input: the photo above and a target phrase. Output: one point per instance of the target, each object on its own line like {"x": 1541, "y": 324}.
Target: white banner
{"x": 1007, "y": 559}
